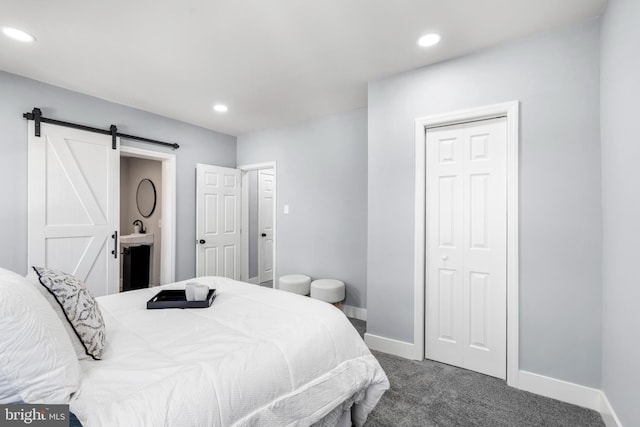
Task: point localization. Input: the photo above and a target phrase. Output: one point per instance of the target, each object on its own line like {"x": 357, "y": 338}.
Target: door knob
{"x": 444, "y": 257}
{"x": 264, "y": 234}
{"x": 202, "y": 241}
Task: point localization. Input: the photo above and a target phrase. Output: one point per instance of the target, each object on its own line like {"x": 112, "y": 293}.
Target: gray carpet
{"x": 428, "y": 394}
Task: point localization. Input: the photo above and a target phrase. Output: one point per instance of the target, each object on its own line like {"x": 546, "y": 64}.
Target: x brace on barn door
{"x": 36, "y": 115}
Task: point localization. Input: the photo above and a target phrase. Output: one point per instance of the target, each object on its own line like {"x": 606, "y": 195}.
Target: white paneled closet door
{"x": 467, "y": 246}
{"x": 74, "y": 202}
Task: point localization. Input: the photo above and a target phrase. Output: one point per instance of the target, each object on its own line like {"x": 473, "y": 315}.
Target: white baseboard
{"x": 355, "y": 312}
{"x": 254, "y": 280}
{"x": 390, "y": 346}
{"x": 608, "y": 414}
{"x": 564, "y": 391}
{"x": 587, "y": 397}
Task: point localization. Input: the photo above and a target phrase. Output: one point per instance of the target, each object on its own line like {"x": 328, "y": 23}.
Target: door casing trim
{"x": 511, "y": 111}
{"x": 244, "y": 266}
{"x": 168, "y": 230}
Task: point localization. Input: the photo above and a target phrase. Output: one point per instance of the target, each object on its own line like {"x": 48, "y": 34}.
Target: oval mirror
{"x": 146, "y": 197}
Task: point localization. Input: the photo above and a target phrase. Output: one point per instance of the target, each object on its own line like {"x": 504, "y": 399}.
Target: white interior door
{"x": 265, "y": 217}
{"x": 218, "y": 221}
{"x": 74, "y": 201}
{"x": 466, "y": 246}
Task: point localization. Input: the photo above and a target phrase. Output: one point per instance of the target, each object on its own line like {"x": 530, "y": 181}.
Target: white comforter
{"x": 256, "y": 357}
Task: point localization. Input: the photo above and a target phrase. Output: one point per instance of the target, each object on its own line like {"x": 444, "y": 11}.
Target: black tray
{"x": 176, "y": 298}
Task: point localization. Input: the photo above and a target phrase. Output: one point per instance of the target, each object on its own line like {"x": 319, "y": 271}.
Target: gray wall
{"x": 555, "y": 76}
{"x": 620, "y": 91}
{"x": 322, "y": 176}
{"x": 19, "y": 95}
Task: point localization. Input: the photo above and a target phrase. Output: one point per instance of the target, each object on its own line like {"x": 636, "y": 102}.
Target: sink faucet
{"x": 139, "y": 224}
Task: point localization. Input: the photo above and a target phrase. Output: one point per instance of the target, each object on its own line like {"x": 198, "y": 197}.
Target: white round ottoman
{"x": 296, "y": 283}
{"x": 329, "y": 290}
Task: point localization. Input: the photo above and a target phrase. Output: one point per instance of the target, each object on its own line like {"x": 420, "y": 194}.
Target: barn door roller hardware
{"x": 36, "y": 116}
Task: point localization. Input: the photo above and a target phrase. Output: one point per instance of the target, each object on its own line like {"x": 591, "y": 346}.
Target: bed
{"x": 256, "y": 357}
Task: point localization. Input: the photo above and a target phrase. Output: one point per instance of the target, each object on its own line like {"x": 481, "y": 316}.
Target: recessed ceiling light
{"x": 429, "y": 39}
{"x": 221, "y": 108}
{"x": 19, "y": 35}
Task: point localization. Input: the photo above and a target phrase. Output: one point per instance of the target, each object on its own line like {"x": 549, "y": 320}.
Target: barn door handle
{"x": 114, "y": 236}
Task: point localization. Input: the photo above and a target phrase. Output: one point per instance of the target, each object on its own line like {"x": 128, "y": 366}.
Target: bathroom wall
{"x": 134, "y": 170}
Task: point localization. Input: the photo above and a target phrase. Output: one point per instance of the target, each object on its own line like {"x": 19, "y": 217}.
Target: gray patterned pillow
{"x": 79, "y": 307}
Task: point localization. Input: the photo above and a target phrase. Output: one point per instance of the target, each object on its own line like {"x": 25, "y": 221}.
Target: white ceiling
{"x": 273, "y": 62}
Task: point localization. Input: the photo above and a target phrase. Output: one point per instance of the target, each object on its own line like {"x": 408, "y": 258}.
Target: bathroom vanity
{"x": 137, "y": 260}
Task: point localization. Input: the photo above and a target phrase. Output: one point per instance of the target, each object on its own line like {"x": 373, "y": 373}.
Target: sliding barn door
{"x": 74, "y": 197}
{"x": 467, "y": 246}
{"x": 218, "y": 221}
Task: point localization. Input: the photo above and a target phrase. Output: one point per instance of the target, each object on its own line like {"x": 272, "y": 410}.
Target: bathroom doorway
{"x": 147, "y": 217}
{"x": 259, "y": 219}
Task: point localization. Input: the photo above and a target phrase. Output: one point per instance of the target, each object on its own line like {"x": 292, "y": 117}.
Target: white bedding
{"x": 256, "y": 357}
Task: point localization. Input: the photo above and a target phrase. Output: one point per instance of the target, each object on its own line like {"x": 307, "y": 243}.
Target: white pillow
{"x": 37, "y": 360}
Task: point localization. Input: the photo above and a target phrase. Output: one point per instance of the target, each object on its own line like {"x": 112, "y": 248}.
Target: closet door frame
{"x": 511, "y": 111}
